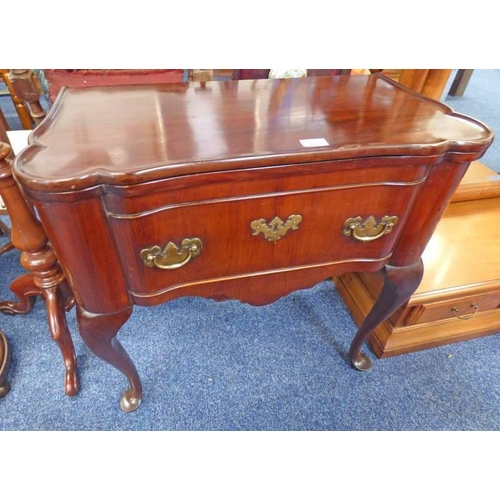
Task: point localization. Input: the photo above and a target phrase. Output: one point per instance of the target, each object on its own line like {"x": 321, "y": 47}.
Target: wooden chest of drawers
{"x": 222, "y": 212}
{"x": 246, "y": 190}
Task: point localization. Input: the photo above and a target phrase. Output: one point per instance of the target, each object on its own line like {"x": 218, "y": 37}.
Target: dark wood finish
{"x": 460, "y": 82}
{"x": 113, "y": 171}
{"x": 45, "y": 277}
{"x": 399, "y": 285}
{"x": 59, "y": 78}
{"x": 5, "y": 357}
{"x": 99, "y": 333}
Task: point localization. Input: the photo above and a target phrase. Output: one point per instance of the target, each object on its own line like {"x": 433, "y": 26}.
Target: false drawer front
{"x": 464, "y": 308}
{"x": 218, "y": 239}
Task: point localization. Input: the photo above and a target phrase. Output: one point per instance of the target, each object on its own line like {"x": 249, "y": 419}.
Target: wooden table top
{"x": 127, "y": 134}
{"x": 470, "y": 225}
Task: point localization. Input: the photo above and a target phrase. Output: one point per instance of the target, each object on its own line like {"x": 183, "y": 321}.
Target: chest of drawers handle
{"x": 369, "y": 230}
{"x": 172, "y": 257}
{"x": 475, "y": 308}
{"x": 276, "y": 229}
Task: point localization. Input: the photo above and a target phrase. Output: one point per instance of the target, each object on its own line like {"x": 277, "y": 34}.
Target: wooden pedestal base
{"x": 45, "y": 278}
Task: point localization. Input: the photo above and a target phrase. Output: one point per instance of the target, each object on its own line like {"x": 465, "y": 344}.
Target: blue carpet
{"x": 230, "y": 366}
{"x": 480, "y": 101}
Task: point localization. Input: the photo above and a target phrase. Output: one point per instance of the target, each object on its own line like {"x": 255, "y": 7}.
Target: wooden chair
{"x": 428, "y": 82}
{"x": 25, "y": 90}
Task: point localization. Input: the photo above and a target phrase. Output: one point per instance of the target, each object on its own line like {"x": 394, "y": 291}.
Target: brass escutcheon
{"x": 369, "y": 230}
{"x": 276, "y": 229}
{"x": 172, "y": 257}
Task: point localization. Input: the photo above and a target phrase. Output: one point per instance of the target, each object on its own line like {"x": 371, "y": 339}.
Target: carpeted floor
{"x": 230, "y": 366}
{"x": 480, "y": 101}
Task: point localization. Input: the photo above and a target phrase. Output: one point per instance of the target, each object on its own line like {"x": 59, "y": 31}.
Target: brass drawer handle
{"x": 276, "y": 229}
{"x": 172, "y": 257}
{"x": 369, "y": 230}
{"x": 454, "y": 310}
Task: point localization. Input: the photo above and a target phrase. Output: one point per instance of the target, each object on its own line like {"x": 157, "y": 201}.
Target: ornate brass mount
{"x": 276, "y": 229}
{"x": 172, "y": 257}
{"x": 369, "y": 230}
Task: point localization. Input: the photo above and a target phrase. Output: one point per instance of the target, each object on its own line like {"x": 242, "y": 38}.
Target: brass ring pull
{"x": 172, "y": 257}
{"x": 369, "y": 230}
{"x": 454, "y": 310}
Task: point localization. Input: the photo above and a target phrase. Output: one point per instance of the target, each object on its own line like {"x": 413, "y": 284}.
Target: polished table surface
{"x": 140, "y": 133}
{"x": 243, "y": 189}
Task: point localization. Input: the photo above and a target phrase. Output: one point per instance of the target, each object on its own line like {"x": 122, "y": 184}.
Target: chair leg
{"x": 19, "y": 105}
{"x": 27, "y": 89}
{"x": 5, "y": 357}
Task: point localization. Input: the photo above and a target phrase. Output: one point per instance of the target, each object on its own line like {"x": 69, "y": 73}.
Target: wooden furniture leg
{"x": 45, "y": 278}
{"x": 99, "y": 333}
{"x": 3, "y": 121}
{"x": 399, "y": 285}
{"x": 460, "y": 82}
{"x": 428, "y": 82}
{"x": 22, "y": 110}
{"x": 5, "y": 357}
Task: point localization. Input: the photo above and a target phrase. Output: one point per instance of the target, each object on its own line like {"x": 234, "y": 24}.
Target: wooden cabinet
{"x": 459, "y": 296}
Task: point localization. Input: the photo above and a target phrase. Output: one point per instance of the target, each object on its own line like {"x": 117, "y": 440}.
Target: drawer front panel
{"x": 260, "y": 181}
{"x": 462, "y": 308}
{"x": 242, "y": 236}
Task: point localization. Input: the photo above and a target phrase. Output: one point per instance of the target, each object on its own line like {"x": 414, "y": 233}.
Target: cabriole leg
{"x": 99, "y": 334}
{"x": 399, "y": 285}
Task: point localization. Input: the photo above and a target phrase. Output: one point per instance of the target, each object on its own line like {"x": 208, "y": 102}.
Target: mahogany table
{"x": 241, "y": 189}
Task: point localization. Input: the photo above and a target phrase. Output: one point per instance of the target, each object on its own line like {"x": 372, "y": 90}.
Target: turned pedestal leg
{"x": 45, "y": 277}
{"x": 399, "y": 285}
{"x": 99, "y": 334}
